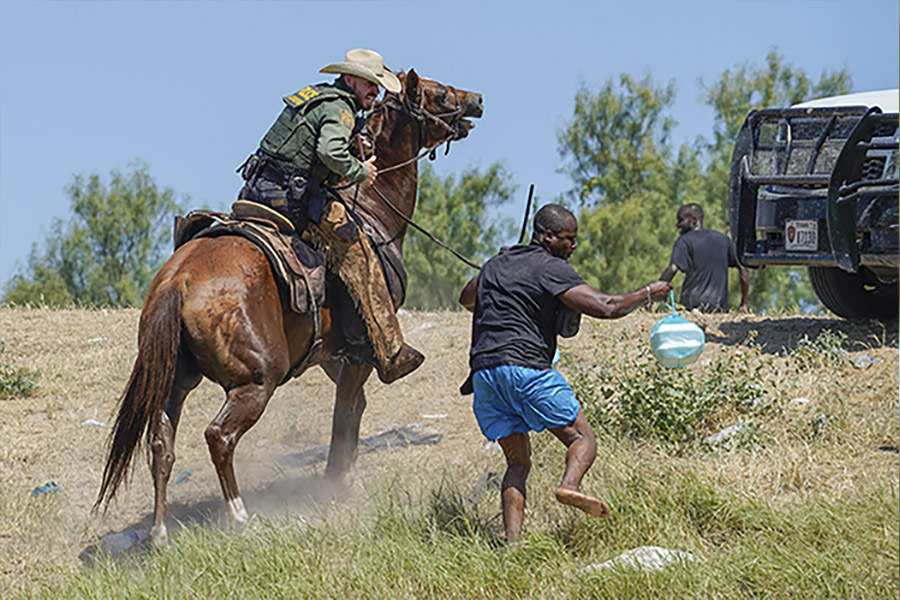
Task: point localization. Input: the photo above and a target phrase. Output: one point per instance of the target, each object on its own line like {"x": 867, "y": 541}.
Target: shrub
{"x": 638, "y": 397}
{"x": 825, "y": 351}
{"x": 16, "y": 382}
{"x": 448, "y": 510}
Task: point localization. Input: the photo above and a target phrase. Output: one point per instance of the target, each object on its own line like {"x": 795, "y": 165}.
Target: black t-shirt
{"x": 516, "y": 308}
{"x": 704, "y": 255}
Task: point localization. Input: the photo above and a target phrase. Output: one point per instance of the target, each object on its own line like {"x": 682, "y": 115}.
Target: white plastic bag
{"x": 675, "y": 341}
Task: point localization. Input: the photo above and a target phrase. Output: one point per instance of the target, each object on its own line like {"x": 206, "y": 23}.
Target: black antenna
{"x": 527, "y": 214}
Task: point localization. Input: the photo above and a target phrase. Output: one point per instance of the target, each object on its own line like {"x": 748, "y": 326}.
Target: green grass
{"x": 803, "y": 504}
{"x": 437, "y": 545}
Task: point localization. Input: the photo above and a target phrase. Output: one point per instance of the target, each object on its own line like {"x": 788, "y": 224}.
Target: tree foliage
{"x": 629, "y": 181}
{"x": 457, "y": 213}
{"x": 107, "y": 253}
{"x": 617, "y": 138}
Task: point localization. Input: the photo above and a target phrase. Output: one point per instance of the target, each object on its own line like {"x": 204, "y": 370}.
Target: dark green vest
{"x": 291, "y": 140}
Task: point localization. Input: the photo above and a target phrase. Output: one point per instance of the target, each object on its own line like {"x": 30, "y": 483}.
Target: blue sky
{"x": 190, "y": 87}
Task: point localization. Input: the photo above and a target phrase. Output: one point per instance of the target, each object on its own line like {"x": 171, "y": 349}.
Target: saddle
{"x": 299, "y": 270}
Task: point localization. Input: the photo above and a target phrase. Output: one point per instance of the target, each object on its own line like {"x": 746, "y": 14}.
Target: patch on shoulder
{"x": 347, "y": 118}
{"x": 300, "y": 96}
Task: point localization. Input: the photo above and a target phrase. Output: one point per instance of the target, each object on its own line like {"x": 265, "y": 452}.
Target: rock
{"x": 649, "y": 558}
{"x": 724, "y": 434}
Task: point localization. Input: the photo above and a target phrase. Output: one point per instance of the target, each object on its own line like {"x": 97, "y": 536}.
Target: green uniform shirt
{"x": 311, "y": 137}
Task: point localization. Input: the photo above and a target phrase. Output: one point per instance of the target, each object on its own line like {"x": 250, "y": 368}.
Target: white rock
{"x": 725, "y": 433}
{"x": 651, "y": 558}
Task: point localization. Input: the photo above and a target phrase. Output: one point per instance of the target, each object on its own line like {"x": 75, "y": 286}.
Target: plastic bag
{"x": 675, "y": 341}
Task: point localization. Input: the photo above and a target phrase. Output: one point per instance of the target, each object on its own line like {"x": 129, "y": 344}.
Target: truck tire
{"x": 850, "y": 295}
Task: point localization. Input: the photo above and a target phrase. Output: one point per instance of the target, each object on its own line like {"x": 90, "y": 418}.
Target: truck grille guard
{"x": 829, "y": 153}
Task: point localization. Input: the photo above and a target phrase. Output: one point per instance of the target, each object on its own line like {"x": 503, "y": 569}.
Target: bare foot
{"x": 588, "y": 504}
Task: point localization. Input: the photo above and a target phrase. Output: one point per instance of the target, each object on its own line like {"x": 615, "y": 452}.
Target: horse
{"x": 214, "y": 310}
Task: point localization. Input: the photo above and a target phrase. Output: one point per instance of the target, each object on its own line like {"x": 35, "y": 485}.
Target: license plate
{"x": 801, "y": 235}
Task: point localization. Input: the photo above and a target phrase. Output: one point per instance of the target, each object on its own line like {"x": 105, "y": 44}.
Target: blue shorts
{"x": 510, "y": 399}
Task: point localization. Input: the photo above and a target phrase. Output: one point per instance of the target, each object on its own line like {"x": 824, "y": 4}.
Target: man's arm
{"x": 745, "y": 287}
{"x": 333, "y": 143}
{"x": 594, "y": 303}
{"x": 669, "y": 272}
{"x": 681, "y": 254}
{"x": 468, "y": 294}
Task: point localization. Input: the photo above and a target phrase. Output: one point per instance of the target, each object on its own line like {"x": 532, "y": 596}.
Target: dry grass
{"x": 84, "y": 358}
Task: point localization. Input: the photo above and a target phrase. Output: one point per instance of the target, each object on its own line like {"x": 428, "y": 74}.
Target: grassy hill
{"x": 801, "y": 500}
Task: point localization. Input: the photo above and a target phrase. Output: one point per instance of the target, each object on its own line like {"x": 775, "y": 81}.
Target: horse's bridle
{"x": 420, "y": 114}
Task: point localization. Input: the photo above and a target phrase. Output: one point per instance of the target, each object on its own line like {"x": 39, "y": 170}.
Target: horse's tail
{"x": 149, "y": 386}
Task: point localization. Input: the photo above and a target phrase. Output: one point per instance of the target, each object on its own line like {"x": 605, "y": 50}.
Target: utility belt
{"x": 280, "y": 185}
{"x": 259, "y": 164}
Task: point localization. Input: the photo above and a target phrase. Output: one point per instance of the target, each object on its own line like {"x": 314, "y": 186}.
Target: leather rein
{"x": 420, "y": 114}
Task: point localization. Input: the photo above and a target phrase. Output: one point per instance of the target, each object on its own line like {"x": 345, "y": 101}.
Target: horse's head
{"x": 441, "y": 110}
{"x": 401, "y": 129}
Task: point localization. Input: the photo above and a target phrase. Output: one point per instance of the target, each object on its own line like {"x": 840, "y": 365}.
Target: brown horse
{"x": 214, "y": 310}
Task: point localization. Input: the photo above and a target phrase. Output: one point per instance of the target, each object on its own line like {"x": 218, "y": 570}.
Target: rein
{"x": 419, "y": 116}
{"x": 429, "y": 151}
{"x": 424, "y": 231}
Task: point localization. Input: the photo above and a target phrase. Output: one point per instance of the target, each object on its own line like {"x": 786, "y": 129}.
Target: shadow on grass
{"x": 780, "y": 336}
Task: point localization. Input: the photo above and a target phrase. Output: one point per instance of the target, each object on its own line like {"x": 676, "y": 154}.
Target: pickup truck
{"x": 816, "y": 185}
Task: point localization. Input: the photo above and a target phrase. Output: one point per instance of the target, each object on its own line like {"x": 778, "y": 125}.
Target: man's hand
{"x": 373, "y": 171}
{"x": 659, "y": 289}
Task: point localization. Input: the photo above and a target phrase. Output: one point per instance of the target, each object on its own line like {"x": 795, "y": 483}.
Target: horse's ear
{"x": 411, "y": 86}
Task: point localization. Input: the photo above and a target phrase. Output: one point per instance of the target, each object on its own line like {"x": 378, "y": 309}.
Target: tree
{"x": 617, "y": 139}
{"x": 457, "y": 214}
{"x": 107, "y": 253}
{"x": 627, "y": 180}
{"x": 737, "y": 92}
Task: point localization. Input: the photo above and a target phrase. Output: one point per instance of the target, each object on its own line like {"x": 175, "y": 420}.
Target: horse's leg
{"x": 349, "y": 404}
{"x": 243, "y": 407}
{"x": 162, "y": 446}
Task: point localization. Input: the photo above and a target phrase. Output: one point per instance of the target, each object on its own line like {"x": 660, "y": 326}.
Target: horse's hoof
{"x": 248, "y": 527}
{"x": 159, "y": 537}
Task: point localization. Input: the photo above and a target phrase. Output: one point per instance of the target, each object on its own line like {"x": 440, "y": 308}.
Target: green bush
{"x": 16, "y": 382}
{"x": 637, "y": 397}
{"x": 826, "y": 351}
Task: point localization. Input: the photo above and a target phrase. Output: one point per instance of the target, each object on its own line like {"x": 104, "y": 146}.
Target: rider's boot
{"x": 401, "y": 364}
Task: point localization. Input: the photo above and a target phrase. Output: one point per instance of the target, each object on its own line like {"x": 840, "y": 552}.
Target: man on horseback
{"x": 304, "y": 153}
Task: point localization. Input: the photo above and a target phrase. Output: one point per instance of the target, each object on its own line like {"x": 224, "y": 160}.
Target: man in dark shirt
{"x": 704, "y": 256}
{"x": 519, "y": 299}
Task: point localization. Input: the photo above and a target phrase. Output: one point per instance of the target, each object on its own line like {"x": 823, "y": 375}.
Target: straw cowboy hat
{"x": 367, "y": 64}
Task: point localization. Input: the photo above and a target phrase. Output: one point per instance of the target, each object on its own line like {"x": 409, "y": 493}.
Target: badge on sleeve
{"x": 347, "y": 118}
